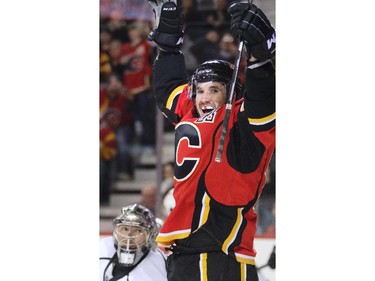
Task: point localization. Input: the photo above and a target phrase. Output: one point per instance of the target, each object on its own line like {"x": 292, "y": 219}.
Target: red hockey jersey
{"x": 217, "y": 197}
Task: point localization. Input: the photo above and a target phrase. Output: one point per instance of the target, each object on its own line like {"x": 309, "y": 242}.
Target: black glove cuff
{"x": 263, "y": 71}
{"x": 170, "y": 40}
{"x": 167, "y": 49}
{"x": 164, "y": 53}
{"x": 257, "y": 63}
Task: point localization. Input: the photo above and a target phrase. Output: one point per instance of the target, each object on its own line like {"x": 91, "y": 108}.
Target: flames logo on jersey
{"x": 209, "y": 117}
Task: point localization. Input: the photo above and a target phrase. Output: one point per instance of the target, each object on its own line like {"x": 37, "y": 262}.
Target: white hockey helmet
{"x": 134, "y": 233}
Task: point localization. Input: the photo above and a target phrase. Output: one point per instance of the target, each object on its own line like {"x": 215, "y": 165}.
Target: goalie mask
{"x": 134, "y": 234}
{"x": 214, "y": 71}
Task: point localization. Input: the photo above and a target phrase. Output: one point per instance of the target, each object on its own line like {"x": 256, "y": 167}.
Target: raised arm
{"x": 251, "y": 24}
{"x": 169, "y": 71}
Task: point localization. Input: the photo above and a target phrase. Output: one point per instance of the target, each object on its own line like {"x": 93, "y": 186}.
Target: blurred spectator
{"x": 114, "y": 99}
{"x": 104, "y": 67}
{"x": 191, "y": 13}
{"x": 107, "y": 157}
{"x": 149, "y": 191}
{"x": 228, "y": 47}
{"x": 207, "y": 47}
{"x": 166, "y": 189}
{"x": 115, "y": 49}
{"x": 195, "y": 22}
{"x": 168, "y": 202}
{"x": 105, "y": 38}
{"x": 215, "y": 46}
{"x": 168, "y": 176}
{"x": 149, "y": 196}
{"x": 129, "y": 10}
{"x": 191, "y": 62}
{"x": 218, "y": 17}
{"x": 116, "y": 26}
{"x": 104, "y": 57}
{"x": 136, "y": 58}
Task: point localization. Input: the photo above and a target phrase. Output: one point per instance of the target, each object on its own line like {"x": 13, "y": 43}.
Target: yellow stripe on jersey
{"x": 259, "y": 121}
{"x": 234, "y": 231}
{"x": 243, "y": 272}
{"x": 244, "y": 259}
{"x": 173, "y": 95}
{"x": 205, "y": 210}
{"x": 170, "y": 237}
{"x": 242, "y": 108}
{"x": 262, "y": 121}
{"x": 203, "y": 266}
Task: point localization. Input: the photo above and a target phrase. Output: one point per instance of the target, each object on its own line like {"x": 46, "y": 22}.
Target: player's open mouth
{"x": 207, "y": 109}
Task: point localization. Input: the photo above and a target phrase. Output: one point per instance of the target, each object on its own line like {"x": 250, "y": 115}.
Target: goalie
{"x": 131, "y": 253}
{"x": 211, "y": 229}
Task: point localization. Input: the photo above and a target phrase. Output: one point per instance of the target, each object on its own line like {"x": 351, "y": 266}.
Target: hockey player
{"x": 211, "y": 228}
{"x": 131, "y": 253}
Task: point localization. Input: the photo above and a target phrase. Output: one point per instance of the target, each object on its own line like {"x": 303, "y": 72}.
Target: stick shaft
{"x": 228, "y": 107}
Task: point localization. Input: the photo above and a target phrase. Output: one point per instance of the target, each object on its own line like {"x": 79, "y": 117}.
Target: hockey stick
{"x": 228, "y": 108}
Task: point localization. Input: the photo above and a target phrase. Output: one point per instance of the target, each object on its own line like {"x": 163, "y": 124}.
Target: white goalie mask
{"x": 134, "y": 234}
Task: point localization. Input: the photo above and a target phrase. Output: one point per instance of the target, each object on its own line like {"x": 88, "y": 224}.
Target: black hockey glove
{"x": 251, "y": 24}
{"x": 169, "y": 22}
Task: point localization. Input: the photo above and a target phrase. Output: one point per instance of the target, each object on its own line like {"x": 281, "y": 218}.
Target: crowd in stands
{"x": 127, "y": 108}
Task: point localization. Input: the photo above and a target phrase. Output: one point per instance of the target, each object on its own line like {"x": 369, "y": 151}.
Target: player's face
{"x": 209, "y": 96}
{"x": 131, "y": 236}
